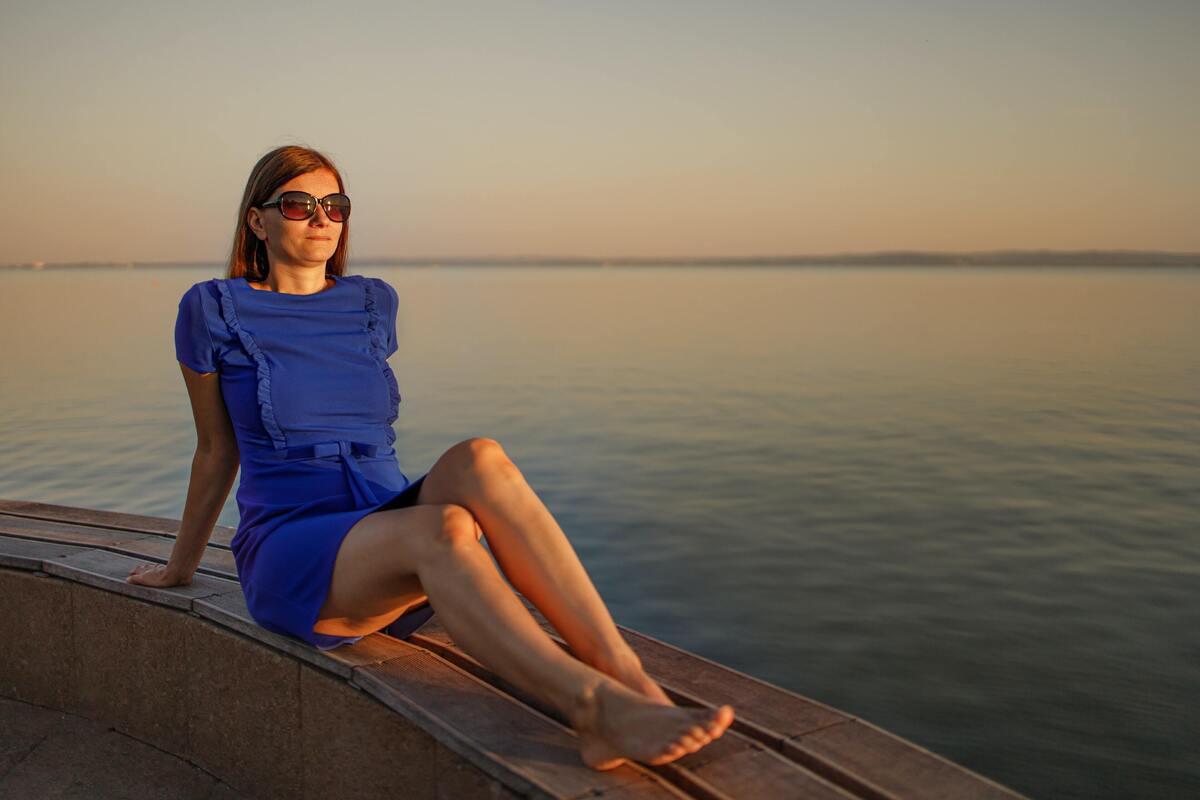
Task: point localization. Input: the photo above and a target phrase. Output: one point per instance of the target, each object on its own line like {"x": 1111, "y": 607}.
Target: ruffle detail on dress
{"x": 379, "y": 351}
{"x": 266, "y": 409}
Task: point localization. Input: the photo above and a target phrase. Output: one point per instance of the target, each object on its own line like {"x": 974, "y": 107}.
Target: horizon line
{"x": 954, "y": 257}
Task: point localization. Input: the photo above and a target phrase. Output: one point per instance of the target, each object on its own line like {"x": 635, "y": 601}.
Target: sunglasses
{"x": 302, "y": 205}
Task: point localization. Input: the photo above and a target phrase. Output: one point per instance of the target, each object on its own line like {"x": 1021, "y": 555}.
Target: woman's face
{"x": 300, "y": 242}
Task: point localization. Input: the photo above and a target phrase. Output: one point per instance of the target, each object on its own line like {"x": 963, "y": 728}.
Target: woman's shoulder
{"x": 198, "y": 292}
{"x": 202, "y": 301}
{"x": 376, "y": 286}
{"x": 210, "y": 290}
{"x": 360, "y": 278}
{"x": 379, "y": 285}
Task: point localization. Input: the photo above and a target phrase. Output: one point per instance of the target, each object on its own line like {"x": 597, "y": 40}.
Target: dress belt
{"x": 346, "y": 452}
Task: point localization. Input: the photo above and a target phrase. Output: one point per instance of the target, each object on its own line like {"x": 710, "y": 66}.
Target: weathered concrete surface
{"x": 39, "y": 642}
{"x": 264, "y": 722}
{"x": 49, "y": 754}
{"x": 131, "y": 666}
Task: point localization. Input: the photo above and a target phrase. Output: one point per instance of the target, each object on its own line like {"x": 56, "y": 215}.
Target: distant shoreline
{"x": 991, "y": 258}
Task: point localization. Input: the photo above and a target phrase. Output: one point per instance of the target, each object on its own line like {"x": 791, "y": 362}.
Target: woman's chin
{"x": 313, "y": 250}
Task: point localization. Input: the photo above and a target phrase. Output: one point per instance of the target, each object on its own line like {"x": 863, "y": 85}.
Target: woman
{"x": 285, "y": 363}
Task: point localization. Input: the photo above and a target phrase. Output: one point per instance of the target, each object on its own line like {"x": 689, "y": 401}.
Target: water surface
{"x": 963, "y": 504}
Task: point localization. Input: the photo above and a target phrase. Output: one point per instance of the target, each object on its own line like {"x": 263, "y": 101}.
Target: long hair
{"x": 249, "y": 257}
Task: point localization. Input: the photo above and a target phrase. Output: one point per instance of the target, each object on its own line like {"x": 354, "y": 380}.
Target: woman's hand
{"x": 160, "y": 575}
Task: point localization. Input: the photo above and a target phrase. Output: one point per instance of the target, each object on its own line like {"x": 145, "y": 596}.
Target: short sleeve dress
{"x": 312, "y": 400}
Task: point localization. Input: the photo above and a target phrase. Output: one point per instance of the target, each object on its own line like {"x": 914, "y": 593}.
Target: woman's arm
{"x": 214, "y": 467}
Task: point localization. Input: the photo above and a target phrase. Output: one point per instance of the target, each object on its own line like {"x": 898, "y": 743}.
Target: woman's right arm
{"x": 214, "y": 468}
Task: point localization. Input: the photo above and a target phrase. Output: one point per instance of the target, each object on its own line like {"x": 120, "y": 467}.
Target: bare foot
{"x": 615, "y": 723}
{"x": 645, "y": 685}
{"x": 629, "y": 672}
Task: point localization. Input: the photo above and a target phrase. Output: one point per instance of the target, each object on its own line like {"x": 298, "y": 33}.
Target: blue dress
{"x": 312, "y": 400}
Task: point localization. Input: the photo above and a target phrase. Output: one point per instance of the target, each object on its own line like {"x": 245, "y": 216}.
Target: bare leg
{"x": 484, "y": 617}
{"x": 535, "y": 555}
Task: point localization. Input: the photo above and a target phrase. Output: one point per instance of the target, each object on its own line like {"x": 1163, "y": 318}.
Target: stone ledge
{"x": 217, "y": 698}
{"x": 214, "y": 672}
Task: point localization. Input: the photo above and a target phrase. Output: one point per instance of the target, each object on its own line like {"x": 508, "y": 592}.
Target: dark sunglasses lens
{"x": 337, "y": 207}
{"x": 296, "y": 205}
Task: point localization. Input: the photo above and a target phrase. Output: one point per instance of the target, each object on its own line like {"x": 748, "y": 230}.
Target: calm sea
{"x": 963, "y": 504}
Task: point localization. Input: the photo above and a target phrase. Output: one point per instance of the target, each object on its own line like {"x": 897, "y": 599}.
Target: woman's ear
{"x": 254, "y": 220}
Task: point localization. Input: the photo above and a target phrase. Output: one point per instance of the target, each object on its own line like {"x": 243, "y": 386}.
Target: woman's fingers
{"x": 141, "y": 570}
{"x": 155, "y": 575}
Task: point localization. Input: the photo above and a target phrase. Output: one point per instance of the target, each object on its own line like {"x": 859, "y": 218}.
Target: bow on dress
{"x": 346, "y": 452}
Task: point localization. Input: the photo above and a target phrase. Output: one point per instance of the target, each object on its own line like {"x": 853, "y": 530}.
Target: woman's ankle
{"x": 614, "y": 660}
{"x": 583, "y": 711}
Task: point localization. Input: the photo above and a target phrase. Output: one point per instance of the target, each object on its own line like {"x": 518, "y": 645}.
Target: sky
{"x": 607, "y": 129}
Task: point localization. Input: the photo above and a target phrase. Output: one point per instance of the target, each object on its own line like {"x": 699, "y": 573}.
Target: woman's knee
{"x": 455, "y": 526}
{"x": 480, "y": 454}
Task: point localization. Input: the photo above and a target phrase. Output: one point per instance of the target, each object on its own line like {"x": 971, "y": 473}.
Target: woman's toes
{"x": 700, "y": 734}
{"x": 669, "y": 754}
{"x": 707, "y": 719}
{"x": 722, "y": 719}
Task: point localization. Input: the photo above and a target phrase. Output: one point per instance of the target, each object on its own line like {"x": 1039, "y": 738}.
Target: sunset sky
{"x": 607, "y": 129}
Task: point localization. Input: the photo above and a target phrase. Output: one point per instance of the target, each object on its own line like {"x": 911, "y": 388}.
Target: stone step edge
{"x": 383, "y": 649}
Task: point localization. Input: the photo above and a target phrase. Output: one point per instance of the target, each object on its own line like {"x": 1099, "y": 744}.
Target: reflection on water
{"x": 964, "y": 505}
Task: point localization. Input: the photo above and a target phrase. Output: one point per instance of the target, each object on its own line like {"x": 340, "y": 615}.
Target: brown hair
{"x": 249, "y": 257}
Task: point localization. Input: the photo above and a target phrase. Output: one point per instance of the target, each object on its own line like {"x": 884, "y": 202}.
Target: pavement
{"x": 47, "y": 754}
